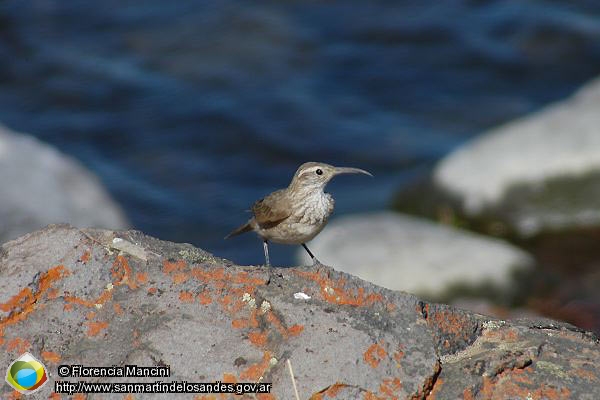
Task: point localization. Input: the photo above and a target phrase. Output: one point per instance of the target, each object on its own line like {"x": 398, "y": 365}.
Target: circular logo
{"x": 26, "y": 374}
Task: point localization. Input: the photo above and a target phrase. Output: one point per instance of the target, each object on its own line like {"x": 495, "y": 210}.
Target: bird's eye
{"x": 319, "y": 171}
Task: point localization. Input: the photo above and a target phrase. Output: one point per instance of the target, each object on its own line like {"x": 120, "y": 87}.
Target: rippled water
{"x": 191, "y": 110}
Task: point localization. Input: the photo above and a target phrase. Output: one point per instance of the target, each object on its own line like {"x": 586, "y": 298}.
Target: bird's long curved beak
{"x": 345, "y": 170}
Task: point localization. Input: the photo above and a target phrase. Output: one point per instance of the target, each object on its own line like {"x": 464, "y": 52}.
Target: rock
{"x": 43, "y": 186}
{"x": 68, "y": 296}
{"x": 539, "y": 173}
{"x": 406, "y": 253}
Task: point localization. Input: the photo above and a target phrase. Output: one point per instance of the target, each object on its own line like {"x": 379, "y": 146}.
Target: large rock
{"x": 406, "y": 253}
{"x": 104, "y": 298}
{"x": 43, "y": 186}
{"x": 538, "y": 173}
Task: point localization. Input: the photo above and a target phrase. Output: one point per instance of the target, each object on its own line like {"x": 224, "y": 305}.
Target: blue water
{"x": 191, "y": 110}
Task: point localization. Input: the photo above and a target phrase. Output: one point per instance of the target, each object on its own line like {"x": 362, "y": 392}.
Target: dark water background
{"x": 191, "y": 110}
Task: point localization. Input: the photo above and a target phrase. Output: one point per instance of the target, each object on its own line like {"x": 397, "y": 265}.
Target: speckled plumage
{"x": 296, "y": 214}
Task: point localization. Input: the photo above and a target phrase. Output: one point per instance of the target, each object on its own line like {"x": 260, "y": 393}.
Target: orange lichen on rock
{"x": 295, "y": 330}
{"x": 225, "y": 301}
{"x": 121, "y": 273}
{"x": 136, "y": 338}
{"x": 21, "y": 300}
{"x": 244, "y": 277}
{"x": 94, "y": 328}
{"x": 53, "y": 294}
{"x": 14, "y": 395}
{"x": 54, "y": 396}
{"x": 229, "y": 378}
{"x": 23, "y": 303}
{"x": 258, "y": 338}
{"x": 204, "y": 297}
{"x": 51, "y": 357}
{"x": 374, "y": 354}
{"x": 398, "y": 355}
{"x": 169, "y": 266}
{"x": 330, "y": 391}
{"x": 231, "y": 303}
{"x": 390, "y": 387}
{"x": 265, "y": 396}
{"x": 117, "y": 309}
{"x": 450, "y": 322}
{"x": 255, "y": 371}
{"x": 186, "y": 297}
{"x": 276, "y": 322}
{"x": 179, "y": 277}
{"x": 129, "y": 397}
{"x": 239, "y": 323}
{"x": 504, "y": 334}
{"x": 85, "y": 257}
{"x": 218, "y": 277}
{"x": 334, "y": 389}
{"x": 79, "y": 396}
{"x": 18, "y": 344}
{"x": 101, "y": 300}
{"x": 372, "y": 396}
{"x": 585, "y": 374}
{"x": 518, "y": 384}
{"x": 436, "y": 389}
{"x": 141, "y": 277}
{"x": 334, "y": 291}
{"x": 468, "y": 394}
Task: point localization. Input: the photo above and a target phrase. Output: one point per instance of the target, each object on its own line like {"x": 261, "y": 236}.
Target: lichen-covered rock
{"x": 105, "y": 298}
{"x": 43, "y": 186}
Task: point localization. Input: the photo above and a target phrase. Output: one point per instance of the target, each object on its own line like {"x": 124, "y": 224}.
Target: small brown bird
{"x": 298, "y": 213}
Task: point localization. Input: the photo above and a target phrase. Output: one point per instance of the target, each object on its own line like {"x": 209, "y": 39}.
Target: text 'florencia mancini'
{"x": 78, "y": 371}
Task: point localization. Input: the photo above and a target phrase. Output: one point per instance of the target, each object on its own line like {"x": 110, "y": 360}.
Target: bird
{"x": 296, "y": 214}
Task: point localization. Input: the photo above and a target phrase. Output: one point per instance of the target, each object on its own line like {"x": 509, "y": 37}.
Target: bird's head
{"x": 313, "y": 176}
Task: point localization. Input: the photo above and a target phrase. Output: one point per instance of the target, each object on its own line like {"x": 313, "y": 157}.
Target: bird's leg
{"x": 268, "y": 263}
{"x": 312, "y": 256}
{"x": 266, "y": 247}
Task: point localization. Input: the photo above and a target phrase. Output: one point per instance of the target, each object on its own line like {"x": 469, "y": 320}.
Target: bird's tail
{"x": 244, "y": 228}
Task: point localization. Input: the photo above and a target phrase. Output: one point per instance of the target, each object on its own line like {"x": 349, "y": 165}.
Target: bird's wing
{"x": 272, "y": 210}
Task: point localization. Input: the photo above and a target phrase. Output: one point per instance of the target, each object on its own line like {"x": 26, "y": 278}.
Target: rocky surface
{"x": 539, "y": 173}
{"x": 46, "y": 187}
{"x": 409, "y": 251}
{"x": 104, "y": 298}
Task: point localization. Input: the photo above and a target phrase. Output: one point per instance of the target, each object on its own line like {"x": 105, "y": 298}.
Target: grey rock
{"x": 43, "y": 186}
{"x": 69, "y": 297}
{"x": 401, "y": 252}
{"x": 538, "y": 173}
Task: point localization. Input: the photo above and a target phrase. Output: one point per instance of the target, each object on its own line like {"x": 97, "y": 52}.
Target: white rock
{"x": 41, "y": 186}
{"x": 562, "y": 140}
{"x": 301, "y": 296}
{"x": 406, "y": 253}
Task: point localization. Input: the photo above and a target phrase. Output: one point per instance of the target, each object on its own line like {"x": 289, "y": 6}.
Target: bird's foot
{"x": 269, "y": 271}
